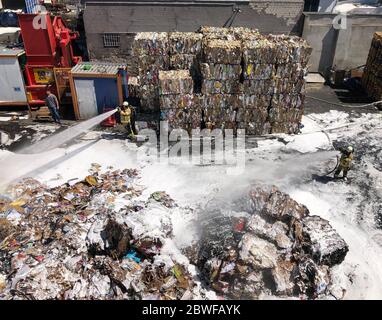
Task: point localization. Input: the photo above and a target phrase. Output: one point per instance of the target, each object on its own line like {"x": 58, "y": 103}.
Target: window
{"x": 111, "y": 40}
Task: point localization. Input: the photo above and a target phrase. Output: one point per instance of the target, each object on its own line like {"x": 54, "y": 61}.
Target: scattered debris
{"x": 269, "y": 250}
{"x": 98, "y": 239}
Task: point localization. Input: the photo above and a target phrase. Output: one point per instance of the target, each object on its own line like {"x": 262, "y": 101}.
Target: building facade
{"x": 111, "y": 25}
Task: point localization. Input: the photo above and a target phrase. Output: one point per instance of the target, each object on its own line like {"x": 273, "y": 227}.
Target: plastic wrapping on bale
{"x": 222, "y": 51}
{"x": 225, "y": 86}
{"x": 175, "y": 82}
{"x": 211, "y": 71}
{"x": 258, "y": 71}
{"x": 176, "y": 101}
{"x": 150, "y": 43}
{"x": 185, "y": 43}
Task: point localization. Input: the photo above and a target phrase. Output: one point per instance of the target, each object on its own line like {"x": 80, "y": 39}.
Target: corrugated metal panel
{"x": 97, "y": 68}
{"x": 31, "y": 6}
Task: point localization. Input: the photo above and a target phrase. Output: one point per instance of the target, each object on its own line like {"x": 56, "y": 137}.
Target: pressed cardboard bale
{"x": 289, "y": 86}
{"x": 211, "y": 71}
{"x": 257, "y": 128}
{"x": 259, "y": 87}
{"x": 260, "y": 101}
{"x": 222, "y": 51}
{"x": 218, "y": 86}
{"x": 149, "y": 77}
{"x": 290, "y": 71}
{"x": 175, "y": 82}
{"x": 259, "y": 71}
{"x": 185, "y": 43}
{"x": 150, "y": 43}
{"x": 153, "y": 62}
{"x": 183, "y": 62}
{"x": 256, "y": 115}
{"x": 260, "y": 50}
{"x": 231, "y": 33}
{"x": 372, "y": 76}
{"x": 176, "y": 101}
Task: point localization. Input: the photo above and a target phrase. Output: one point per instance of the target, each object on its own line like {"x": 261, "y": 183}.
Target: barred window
{"x": 111, "y": 40}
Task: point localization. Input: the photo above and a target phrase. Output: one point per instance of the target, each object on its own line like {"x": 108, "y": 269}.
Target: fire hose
{"x": 335, "y": 168}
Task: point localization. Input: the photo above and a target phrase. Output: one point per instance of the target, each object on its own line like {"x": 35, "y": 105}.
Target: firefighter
{"x": 345, "y": 162}
{"x": 53, "y": 106}
{"x": 126, "y": 115}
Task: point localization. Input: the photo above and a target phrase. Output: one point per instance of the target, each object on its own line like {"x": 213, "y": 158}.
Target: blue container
{"x": 9, "y": 19}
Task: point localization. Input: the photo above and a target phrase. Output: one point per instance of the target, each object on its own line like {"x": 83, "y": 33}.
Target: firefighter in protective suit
{"x": 126, "y": 115}
{"x": 345, "y": 162}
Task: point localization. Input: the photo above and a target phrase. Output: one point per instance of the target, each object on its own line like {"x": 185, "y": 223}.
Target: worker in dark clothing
{"x": 345, "y": 162}
{"x": 53, "y": 105}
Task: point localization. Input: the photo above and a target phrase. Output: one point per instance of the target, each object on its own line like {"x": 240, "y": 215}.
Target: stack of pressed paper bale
{"x": 151, "y": 51}
{"x": 240, "y": 79}
{"x": 273, "y": 72}
{"x": 372, "y": 76}
{"x": 177, "y": 100}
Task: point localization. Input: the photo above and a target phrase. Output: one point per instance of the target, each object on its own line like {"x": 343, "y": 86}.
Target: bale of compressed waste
{"x": 259, "y": 50}
{"x": 185, "y": 43}
{"x": 221, "y": 86}
{"x": 372, "y": 75}
{"x": 259, "y": 87}
{"x": 270, "y": 245}
{"x": 323, "y": 242}
{"x": 222, "y": 51}
{"x": 259, "y": 71}
{"x": 182, "y": 118}
{"x": 231, "y": 33}
{"x": 150, "y": 43}
{"x": 175, "y": 82}
{"x": 218, "y": 71}
{"x": 175, "y": 101}
{"x": 133, "y": 87}
{"x": 183, "y": 62}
